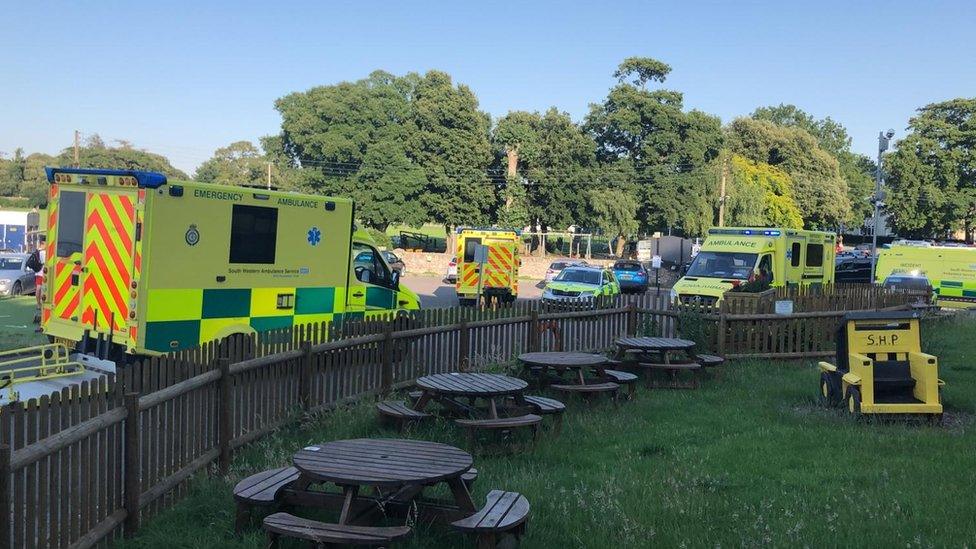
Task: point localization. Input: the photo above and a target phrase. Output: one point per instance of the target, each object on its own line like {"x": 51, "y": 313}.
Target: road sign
{"x": 480, "y": 253}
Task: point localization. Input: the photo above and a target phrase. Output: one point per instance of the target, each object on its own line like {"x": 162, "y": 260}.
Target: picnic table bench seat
{"x": 260, "y": 490}
{"x": 469, "y": 477}
{"x": 547, "y": 406}
{"x": 399, "y": 412}
{"x": 711, "y": 361}
{"x": 321, "y": 533}
{"x": 672, "y": 369}
{"x": 504, "y": 513}
{"x": 590, "y": 389}
{"x": 623, "y": 378}
{"x": 498, "y": 424}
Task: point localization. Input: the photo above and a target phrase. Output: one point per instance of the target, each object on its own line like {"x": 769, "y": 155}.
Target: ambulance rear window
{"x": 470, "y": 245}
{"x": 253, "y": 234}
{"x": 71, "y": 224}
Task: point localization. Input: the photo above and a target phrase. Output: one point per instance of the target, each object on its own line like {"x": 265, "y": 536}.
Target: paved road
{"x": 434, "y": 292}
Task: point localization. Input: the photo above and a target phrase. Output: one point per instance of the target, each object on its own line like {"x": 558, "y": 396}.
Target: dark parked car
{"x": 853, "y": 270}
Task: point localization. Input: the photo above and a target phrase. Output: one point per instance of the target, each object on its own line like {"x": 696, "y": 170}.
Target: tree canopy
{"x": 417, "y": 148}
{"x": 932, "y": 173}
{"x": 666, "y": 145}
{"x": 819, "y": 190}
{"x": 856, "y": 170}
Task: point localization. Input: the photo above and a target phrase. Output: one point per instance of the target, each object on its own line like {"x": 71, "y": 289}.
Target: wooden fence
{"x": 86, "y": 465}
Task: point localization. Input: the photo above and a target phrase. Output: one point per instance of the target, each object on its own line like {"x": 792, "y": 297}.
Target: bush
{"x": 381, "y": 239}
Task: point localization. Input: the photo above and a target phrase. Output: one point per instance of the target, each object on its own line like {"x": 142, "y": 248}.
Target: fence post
{"x": 464, "y": 346}
{"x": 387, "y": 372}
{"x": 631, "y": 319}
{"x": 6, "y": 526}
{"x": 133, "y": 473}
{"x": 722, "y": 328}
{"x": 534, "y": 331}
{"x": 224, "y": 409}
{"x": 305, "y": 375}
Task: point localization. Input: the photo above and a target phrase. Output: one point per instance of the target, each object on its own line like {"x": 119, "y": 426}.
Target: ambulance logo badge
{"x": 314, "y": 236}
{"x": 192, "y": 235}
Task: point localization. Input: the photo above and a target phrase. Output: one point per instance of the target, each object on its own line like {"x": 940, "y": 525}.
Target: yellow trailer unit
{"x": 499, "y": 279}
{"x": 880, "y": 366}
{"x": 152, "y": 266}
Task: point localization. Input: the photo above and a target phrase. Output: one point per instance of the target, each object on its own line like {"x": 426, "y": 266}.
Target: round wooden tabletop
{"x": 563, "y": 360}
{"x": 655, "y": 343}
{"x": 382, "y": 462}
{"x": 471, "y": 384}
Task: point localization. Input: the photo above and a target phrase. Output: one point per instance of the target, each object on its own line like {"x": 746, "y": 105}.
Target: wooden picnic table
{"x": 663, "y": 347}
{"x": 563, "y": 361}
{"x": 405, "y": 467}
{"x": 445, "y": 387}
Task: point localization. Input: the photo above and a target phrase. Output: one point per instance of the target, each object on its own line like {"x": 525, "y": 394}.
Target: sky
{"x": 184, "y": 78}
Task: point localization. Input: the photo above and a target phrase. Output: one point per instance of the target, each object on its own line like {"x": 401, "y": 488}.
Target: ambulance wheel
{"x": 854, "y": 400}
{"x": 829, "y": 392}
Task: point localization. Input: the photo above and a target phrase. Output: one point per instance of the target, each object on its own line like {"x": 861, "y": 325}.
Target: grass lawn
{"x": 749, "y": 460}
{"x": 17, "y": 323}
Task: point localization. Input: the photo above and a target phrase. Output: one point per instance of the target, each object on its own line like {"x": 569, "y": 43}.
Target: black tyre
{"x": 825, "y": 395}
{"x": 17, "y": 289}
{"x": 854, "y": 400}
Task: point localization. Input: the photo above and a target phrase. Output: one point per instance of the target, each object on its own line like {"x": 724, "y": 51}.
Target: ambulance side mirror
{"x": 395, "y": 280}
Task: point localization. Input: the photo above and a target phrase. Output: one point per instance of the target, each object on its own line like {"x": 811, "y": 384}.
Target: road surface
{"x": 434, "y": 292}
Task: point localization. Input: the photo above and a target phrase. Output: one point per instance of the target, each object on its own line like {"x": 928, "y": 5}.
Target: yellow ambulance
{"x": 732, "y": 256}
{"x": 155, "y": 266}
{"x": 499, "y": 278}
{"x": 950, "y": 270}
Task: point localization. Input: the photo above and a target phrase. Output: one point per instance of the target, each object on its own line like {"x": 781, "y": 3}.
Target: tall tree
{"x": 240, "y": 163}
{"x": 96, "y": 154}
{"x": 554, "y": 156}
{"x": 932, "y": 174}
{"x": 650, "y": 129}
{"x": 856, "y": 169}
{"x": 760, "y": 195}
{"x": 819, "y": 190}
{"x": 451, "y": 144}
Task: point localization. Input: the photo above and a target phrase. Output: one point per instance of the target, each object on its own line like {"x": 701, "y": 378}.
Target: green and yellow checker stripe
{"x": 954, "y": 290}
{"x": 183, "y": 318}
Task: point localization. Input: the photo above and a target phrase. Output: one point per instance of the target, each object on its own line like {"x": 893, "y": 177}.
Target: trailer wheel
{"x": 828, "y": 395}
{"x": 854, "y": 400}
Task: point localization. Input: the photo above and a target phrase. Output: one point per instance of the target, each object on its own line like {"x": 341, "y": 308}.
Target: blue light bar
{"x": 745, "y": 232}
{"x": 147, "y": 180}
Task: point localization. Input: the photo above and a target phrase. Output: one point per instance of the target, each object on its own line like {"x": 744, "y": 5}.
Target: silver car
{"x": 16, "y": 278}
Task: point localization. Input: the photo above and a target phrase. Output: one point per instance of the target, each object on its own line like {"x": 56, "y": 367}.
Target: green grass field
{"x": 17, "y": 323}
{"x": 746, "y": 461}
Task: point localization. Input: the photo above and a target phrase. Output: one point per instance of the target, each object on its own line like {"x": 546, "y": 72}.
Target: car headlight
{"x": 547, "y": 292}
{"x": 587, "y": 293}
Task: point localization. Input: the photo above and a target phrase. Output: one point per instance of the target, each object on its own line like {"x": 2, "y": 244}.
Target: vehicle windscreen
{"x": 907, "y": 283}
{"x": 722, "y": 265}
{"x": 583, "y": 276}
{"x": 632, "y": 267}
{"x": 10, "y": 264}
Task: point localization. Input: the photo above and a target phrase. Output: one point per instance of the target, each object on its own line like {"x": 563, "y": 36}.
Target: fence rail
{"x": 90, "y": 463}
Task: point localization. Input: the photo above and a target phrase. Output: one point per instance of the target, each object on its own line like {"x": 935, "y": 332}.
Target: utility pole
{"x": 77, "y": 139}
{"x": 269, "y": 176}
{"x": 721, "y": 195}
{"x": 883, "y": 140}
